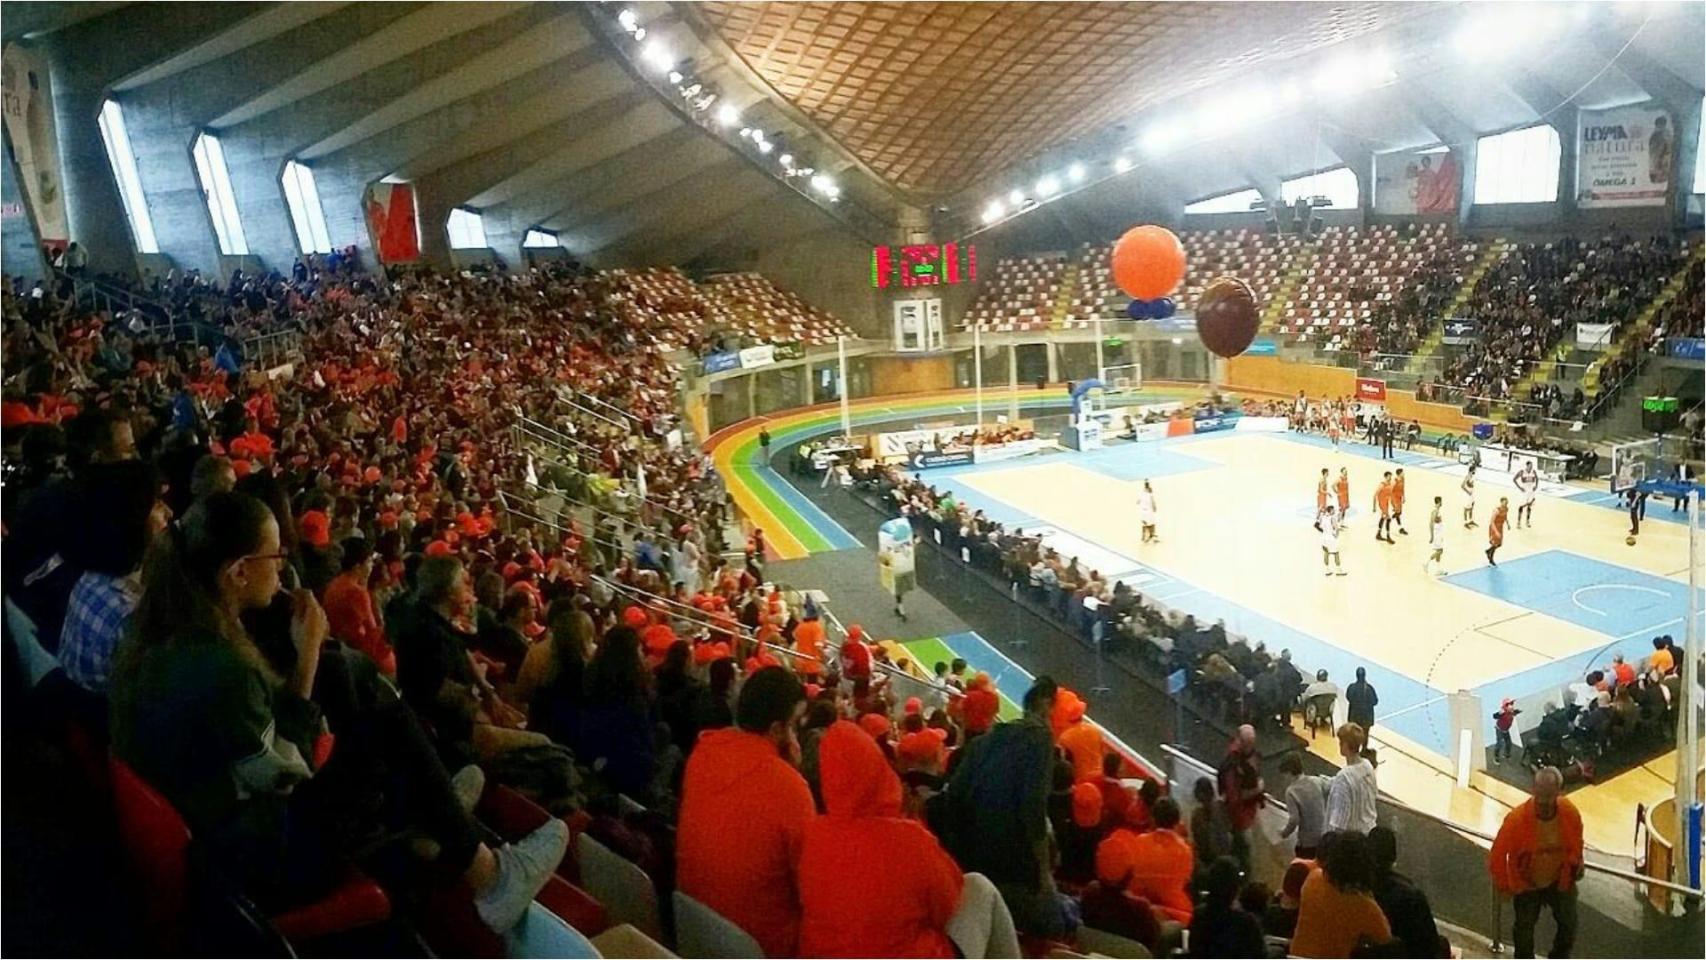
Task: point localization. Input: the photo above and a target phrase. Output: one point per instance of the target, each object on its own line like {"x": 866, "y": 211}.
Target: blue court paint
{"x": 1657, "y": 510}
{"x": 1602, "y": 597}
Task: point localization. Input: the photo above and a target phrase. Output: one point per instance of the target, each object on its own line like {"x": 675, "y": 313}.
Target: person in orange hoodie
{"x": 744, "y": 807}
{"x": 808, "y": 641}
{"x": 1156, "y": 866}
{"x": 1081, "y": 741}
{"x": 1536, "y": 860}
{"x": 982, "y": 705}
{"x": 872, "y": 884}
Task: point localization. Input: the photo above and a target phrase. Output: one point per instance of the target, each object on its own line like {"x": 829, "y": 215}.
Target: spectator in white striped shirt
{"x": 1351, "y": 794}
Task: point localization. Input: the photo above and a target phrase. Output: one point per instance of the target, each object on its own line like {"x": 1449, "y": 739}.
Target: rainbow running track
{"x": 795, "y": 527}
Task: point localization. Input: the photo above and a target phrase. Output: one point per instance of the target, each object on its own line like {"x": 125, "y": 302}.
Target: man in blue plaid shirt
{"x": 95, "y": 621}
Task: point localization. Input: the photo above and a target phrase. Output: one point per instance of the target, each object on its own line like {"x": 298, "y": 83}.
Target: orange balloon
{"x": 1148, "y": 262}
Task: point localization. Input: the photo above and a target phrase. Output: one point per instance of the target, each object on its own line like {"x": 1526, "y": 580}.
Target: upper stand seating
{"x": 763, "y": 311}
{"x": 1355, "y": 295}
{"x": 1020, "y": 295}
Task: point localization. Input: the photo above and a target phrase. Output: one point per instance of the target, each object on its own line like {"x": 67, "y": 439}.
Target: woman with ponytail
{"x": 242, "y": 752}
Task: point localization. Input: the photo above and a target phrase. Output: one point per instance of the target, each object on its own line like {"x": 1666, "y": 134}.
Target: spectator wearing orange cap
{"x": 982, "y": 705}
{"x": 872, "y": 883}
{"x": 319, "y": 560}
{"x": 855, "y": 655}
{"x": 1081, "y": 741}
{"x": 744, "y": 809}
{"x": 1079, "y": 834}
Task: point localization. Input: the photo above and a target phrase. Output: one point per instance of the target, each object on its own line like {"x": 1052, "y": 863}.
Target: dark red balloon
{"x": 1227, "y": 316}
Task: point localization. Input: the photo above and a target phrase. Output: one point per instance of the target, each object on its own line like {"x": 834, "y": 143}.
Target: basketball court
{"x": 1237, "y": 544}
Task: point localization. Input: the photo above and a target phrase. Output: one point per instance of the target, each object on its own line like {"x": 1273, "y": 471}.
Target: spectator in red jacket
{"x": 872, "y": 884}
{"x": 349, "y": 607}
{"x": 743, "y": 811}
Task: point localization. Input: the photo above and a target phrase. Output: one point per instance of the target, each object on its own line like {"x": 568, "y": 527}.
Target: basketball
{"x": 1227, "y": 317}
{"x": 1629, "y": 541}
{"x": 1148, "y": 262}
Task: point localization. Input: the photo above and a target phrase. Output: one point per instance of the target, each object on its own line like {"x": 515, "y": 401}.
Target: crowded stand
{"x": 1530, "y": 301}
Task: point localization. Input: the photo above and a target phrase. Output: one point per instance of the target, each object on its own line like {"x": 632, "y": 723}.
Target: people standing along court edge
{"x": 1360, "y": 701}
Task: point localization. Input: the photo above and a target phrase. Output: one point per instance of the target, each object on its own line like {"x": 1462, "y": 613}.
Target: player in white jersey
{"x": 1527, "y": 482}
{"x": 1146, "y": 512}
{"x": 1468, "y": 488}
{"x": 1329, "y": 525}
{"x": 1436, "y": 540}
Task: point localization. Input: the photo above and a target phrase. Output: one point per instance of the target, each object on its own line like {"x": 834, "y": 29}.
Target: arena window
{"x": 129, "y": 183}
{"x": 215, "y": 182}
{"x": 467, "y": 230}
{"x": 1700, "y": 156}
{"x": 1520, "y": 166}
{"x": 306, "y": 214}
{"x": 1338, "y": 185}
{"x": 540, "y": 238}
{"x": 1238, "y": 201}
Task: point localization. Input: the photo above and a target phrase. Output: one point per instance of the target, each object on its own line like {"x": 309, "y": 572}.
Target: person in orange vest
{"x": 1537, "y": 859}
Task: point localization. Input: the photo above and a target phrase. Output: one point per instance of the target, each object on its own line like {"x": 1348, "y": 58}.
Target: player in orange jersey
{"x": 1496, "y": 530}
{"x": 1342, "y": 489}
{"x": 1321, "y": 494}
{"x": 1383, "y": 504}
{"x": 1398, "y": 501}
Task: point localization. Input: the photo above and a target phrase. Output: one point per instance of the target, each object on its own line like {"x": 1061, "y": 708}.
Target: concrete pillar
{"x": 1012, "y": 381}
{"x": 1053, "y": 362}
{"x": 92, "y": 203}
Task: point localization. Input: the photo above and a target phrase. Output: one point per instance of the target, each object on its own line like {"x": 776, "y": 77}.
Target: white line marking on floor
{"x": 1576, "y": 597}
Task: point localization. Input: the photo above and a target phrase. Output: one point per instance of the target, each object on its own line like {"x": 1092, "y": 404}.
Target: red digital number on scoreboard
{"x": 923, "y": 265}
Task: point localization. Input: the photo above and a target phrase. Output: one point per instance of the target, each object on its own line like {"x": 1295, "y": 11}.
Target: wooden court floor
{"x": 1236, "y": 515}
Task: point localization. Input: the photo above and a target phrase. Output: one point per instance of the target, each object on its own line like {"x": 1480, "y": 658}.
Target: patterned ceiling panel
{"x": 934, "y": 96}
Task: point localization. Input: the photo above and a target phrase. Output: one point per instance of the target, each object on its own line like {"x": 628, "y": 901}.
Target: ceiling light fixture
{"x": 658, "y": 55}
{"x": 728, "y": 116}
{"x": 993, "y": 212}
{"x": 1075, "y": 173}
{"x": 1121, "y": 164}
{"x": 1016, "y": 198}
{"x": 1048, "y": 186}
{"x": 628, "y": 20}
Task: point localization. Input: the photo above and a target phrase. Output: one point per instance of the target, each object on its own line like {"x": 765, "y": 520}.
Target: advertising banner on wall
{"x": 1410, "y": 181}
{"x": 26, "y": 93}
{"x": 1594, "y": 336}
{"x": 391, "y": 221}
{"x": 1460, "y": 330}
{"x": 1624, "y": 156}
{"x": 761, "y": 356}
{"x": 1368, "y": 388}
{"x": 723, "y": 360}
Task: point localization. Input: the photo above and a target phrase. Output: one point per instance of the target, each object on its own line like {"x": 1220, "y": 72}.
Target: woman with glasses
{"x": 243, "y": 753}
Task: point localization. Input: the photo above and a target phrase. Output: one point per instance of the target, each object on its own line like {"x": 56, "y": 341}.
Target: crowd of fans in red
{"x": 334, "y": 603}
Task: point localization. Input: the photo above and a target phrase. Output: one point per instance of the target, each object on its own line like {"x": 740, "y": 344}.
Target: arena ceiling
{"x": 932, "y": 96}
{"x": 544, "y": 114}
